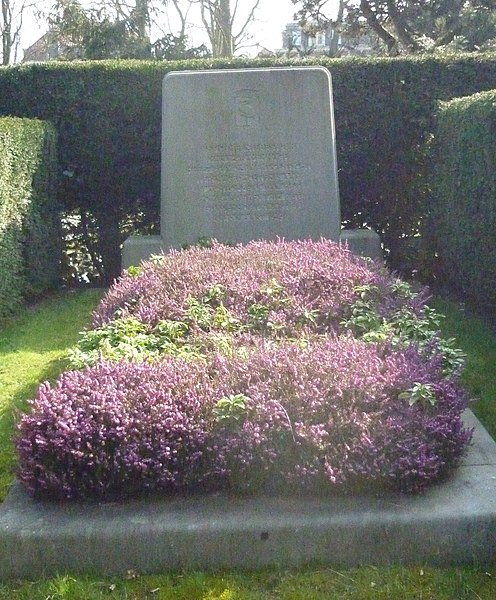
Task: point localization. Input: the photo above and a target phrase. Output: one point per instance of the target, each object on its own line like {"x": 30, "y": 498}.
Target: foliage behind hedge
{"x": 463, "y": 220}
{"x": 108, "y": 119}
{"x": 29, "y": 229}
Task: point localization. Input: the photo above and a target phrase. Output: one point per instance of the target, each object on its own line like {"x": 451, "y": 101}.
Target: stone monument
{"x": 248, "y": 154}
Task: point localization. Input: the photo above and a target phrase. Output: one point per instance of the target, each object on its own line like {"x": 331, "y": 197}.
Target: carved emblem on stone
{"x": 247, "y": 108}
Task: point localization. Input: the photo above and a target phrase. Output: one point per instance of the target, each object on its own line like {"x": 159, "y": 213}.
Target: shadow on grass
{"x": 48, "y": 328}
{"x": 50, "y": 325}
{"x": 477, "y": 339}
{"x": 11, "y": 415}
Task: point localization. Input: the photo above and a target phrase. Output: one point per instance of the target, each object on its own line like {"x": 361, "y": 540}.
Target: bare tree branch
{"x": 11, "y": 17}
{"x": 249, "y": 19}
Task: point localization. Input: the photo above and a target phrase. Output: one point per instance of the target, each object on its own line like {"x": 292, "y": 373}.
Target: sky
{"x": 270, "y": 20}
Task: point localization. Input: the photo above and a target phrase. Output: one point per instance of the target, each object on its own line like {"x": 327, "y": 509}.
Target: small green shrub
{"x": 130, "y": 339}
{"x": 233, "y": 408}
{"x": 371, "y": 321}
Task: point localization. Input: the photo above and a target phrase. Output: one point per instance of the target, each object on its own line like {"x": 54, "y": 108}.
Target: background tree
{"x": 11, "y": 18}
{"x": 411, "y": 26}
{"x": 114, "y": 29}
{"x": 173, "y": 47}
{"x": 99, "y": 32}
{"x": 218, "y": 19}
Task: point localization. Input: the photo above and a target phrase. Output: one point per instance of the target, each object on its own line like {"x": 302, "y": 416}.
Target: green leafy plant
{"x": 130, "y": 339}
{"x": 231, "y": 409}
{"x": 198, "y": 312}
{"x": 215, "y": 293}
{"x": 402, "y": 326}
{"x": 272, "y": 297}
{"x": 309, "y": 316}
{"x": 133, "y": 271}
{"x": 363, "y": 318}
{"x": 209, "y": 312}
{"x": 201, "y": 242}
{"x": 274, "y": 290}
{"x": 403, "y": 289}
{"x": 171, "y": 331}
{"x": 419, "y": 392}
{"x": 223, "y": 319}
{"x": 257, "y": 316}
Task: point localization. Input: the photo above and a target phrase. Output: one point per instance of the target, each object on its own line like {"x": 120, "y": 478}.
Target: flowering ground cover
{"x": 250, "y": 369}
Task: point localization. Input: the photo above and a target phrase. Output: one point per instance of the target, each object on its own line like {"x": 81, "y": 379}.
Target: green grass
{"x": 478, "y": 341}
{"x": 32, "y": 349}
{"x": 365, "y": 583}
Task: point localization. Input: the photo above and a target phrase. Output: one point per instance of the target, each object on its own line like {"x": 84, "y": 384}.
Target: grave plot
{"x": 234, "y": 391}
{"x": 257, "y": 368}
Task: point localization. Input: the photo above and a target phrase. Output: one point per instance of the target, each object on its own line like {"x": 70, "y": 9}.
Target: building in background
{"x": 297, "y": 40}
{"x": 48, "y": 47}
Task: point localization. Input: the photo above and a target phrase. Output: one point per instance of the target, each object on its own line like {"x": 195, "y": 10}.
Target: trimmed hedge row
{"x": 463, "y": 218}
{"x": 30, "y": 246}
{"x": 107, "y": 115}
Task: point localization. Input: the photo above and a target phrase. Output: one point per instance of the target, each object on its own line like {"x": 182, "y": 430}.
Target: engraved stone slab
{"x": 248, "y": 154}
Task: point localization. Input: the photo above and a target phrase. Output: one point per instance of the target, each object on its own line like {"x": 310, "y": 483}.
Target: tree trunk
{"x": 334, "y": 42}
{"x": 141, "y": 18}
{"x": 6, "y": 32}
{"x": 109, "y": 240}
{"x": 386, "y": 37}
{"x": 224, "y": 30}
{"x": 401, "y": 28}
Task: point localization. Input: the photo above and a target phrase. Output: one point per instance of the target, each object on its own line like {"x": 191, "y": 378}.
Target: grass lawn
{"x": 32, "y": 348}
{"x": 479, "y": 343}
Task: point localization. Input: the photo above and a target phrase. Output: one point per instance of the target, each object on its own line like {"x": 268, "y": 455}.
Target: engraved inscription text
{"x": 248, "y": 183}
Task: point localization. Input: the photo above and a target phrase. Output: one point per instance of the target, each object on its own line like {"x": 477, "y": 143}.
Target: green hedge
{"x": 108, "y": 115}
{"x": 30, "y": 245}
{"x": 463, "y": 220}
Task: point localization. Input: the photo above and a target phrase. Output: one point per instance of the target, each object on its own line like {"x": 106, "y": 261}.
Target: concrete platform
{"x": 362, "y": 242}
{"x": 454, "y": 522}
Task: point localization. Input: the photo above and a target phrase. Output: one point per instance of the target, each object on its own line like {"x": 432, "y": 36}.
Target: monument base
{"x": 138, "y": 248}
{"x": 362, "y": 242}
